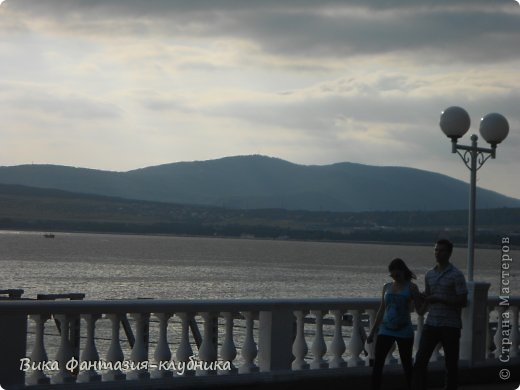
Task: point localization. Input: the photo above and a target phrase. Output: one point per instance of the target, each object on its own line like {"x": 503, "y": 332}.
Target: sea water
{"x": 131, "y": 266}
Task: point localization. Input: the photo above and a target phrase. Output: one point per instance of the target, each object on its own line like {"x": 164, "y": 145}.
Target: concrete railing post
{"x": 275, "y": 340}
{"x": 13, "y": 342}
{"x": 474, "y": 323}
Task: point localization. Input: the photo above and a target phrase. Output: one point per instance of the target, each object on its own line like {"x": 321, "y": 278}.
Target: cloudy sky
{"x": 124, "y": 84}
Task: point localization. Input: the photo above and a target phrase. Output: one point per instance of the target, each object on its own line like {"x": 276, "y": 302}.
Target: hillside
{"x": 26, "y": 208}
{"x": 258, "y": 182}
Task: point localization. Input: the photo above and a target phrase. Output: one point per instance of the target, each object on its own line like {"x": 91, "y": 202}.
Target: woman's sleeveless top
{"x": 396, "y": 320}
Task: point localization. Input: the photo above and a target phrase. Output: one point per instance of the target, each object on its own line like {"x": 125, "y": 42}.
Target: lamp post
{"x": 494, "y": 128}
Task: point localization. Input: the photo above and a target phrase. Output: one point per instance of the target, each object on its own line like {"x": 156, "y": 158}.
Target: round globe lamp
{"x": 494, "y": 128}
{"x": 454, "y": 122}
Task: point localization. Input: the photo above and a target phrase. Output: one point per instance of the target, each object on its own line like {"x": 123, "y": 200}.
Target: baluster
{"x": 162, "y": 351}
{"x": 184, "y": 350}
{"x": 436, "y": 355}
{"x": 300, "y": 348}
{"x": 90, "y": 353}
{"x": 498, "y": 334}
{"x": 356, "y": 343}
{"x": 337, "y": 345}
{"x": 228, "y": 351}
{"x": 208, "y": 350}
{"x": 390, "y": 359}
{"x": 418, "y": 333}
{"x": 489, "y": 337}
{"x": 318, "y": 347}
{"x": 115, "y": 353}
{"x": 65, "y": 352}
{"x": 38, "y": 355}
{"x": 139, "y": 354}
{"x": 371, "y": 347}
{"x": 514, "y": 331}
{"x": 363, "y": 334}
{"x": 249, "y": 349}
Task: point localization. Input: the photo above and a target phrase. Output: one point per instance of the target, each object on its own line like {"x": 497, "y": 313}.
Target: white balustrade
{"x": 228, "y": 351}
{"x": 318, "y": 348}
{"x": 370, "y": 347}
{"x": 208, "y": 349}
{"x": 489, "y": 338}
{"x": 498, "y": 334}
{"x": 390, "y": 358}
{"x": 278, "y": 322}
{"x": 90, "y": 353}
{"x": 337, "y": 346}
{"x": 139, "y": 355}
{"x": 115, "y": 353}
{"x": 418, "y": 333}
{"x": 364, "y": 335}
{"x": 249, "y": 349}
{"x": 162, "y": 351}
{"x": 356, "y": 341}
{"x": 436, "y": 355}
{"x": 39, "y": 355}
{"x": 514, "y": 332}
{"x": 300, "y": 348}
{"x": 184, "y": 351}
{"x": 65, "y": 352}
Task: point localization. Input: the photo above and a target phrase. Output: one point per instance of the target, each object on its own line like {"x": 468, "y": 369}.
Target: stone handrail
{"x": 184, "y": 305}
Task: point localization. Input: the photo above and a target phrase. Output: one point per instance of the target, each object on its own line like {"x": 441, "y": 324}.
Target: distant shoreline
{"x": 362, "y": 242}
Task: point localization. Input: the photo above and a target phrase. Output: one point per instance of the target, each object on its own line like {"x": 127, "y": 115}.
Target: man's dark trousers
{"x": 449, "y": 337}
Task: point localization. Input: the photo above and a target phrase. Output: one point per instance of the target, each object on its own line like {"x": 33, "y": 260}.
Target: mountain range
{"x": 260, "y": 182}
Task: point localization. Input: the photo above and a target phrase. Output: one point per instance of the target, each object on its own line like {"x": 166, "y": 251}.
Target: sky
{"x": 124, "y": 84}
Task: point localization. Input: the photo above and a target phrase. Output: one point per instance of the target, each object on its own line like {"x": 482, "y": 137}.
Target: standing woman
{"x": 393, "y": 322}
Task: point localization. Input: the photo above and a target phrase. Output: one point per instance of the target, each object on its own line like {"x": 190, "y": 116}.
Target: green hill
{"x": 254, "y": 182}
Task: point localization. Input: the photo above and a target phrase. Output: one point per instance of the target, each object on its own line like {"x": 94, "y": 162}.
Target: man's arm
{"x": 424, "y": 306}
{"x": 417, "y": 297}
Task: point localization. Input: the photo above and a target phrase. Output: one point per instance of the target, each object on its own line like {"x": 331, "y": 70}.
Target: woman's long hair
{"x": 398, "y": 264}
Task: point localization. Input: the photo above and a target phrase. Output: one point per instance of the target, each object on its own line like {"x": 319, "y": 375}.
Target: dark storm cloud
{"x": 160, "y": 7}
{"x": 442, "y": 30}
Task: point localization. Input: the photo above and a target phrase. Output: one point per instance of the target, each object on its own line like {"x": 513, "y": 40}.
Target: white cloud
{"x": 124, "y": 84}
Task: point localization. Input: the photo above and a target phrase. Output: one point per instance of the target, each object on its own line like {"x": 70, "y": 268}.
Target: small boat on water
{"x": 48, "y": 235}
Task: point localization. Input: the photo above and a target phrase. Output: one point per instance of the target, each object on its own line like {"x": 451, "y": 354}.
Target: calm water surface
{"x": 124, "y": 266}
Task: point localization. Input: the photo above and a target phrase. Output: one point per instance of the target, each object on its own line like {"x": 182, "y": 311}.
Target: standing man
{"x": 445, "y": 295}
